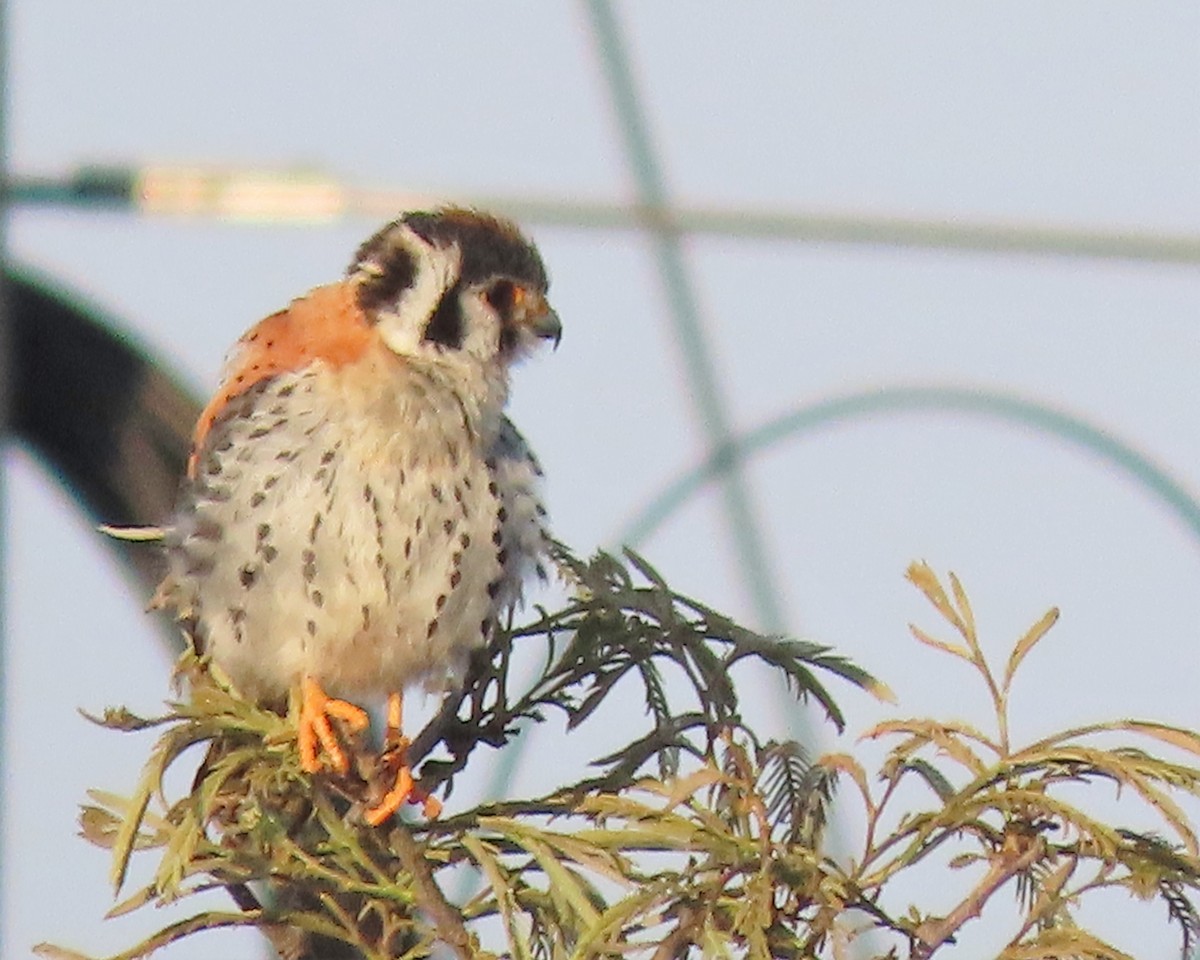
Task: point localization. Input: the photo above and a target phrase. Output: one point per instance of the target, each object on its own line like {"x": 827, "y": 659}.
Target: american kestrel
{"x": 358, "y": 512}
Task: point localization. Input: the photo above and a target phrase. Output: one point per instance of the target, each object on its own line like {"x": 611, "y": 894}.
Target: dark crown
{"x": 490, "y": 247}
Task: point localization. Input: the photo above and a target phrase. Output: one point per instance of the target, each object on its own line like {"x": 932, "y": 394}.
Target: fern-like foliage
{"x": 1003, "y": 805}
{"x": 564, "y": 874}
{"x": 697, "y": 838}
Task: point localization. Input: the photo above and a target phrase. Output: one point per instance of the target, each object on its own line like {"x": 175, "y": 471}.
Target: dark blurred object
{"x": 112, "y": 425}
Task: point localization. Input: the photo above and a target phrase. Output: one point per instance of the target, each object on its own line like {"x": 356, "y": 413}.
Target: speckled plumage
{"x": 359, "y": 511}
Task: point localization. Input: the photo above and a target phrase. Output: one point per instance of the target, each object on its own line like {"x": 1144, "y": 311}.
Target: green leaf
{"x": 921, "y": 575}
{"x": 933, "y": 777}
{"x": 123, "y": 842}
{"x": 965, "y": 612}
{"x": 120, "y": 718}
{"x": 1027, "y": 643}
{"x": 486, "y": 859}
{"x": 1063, "y": 941}
{"x": 931, "y": 641}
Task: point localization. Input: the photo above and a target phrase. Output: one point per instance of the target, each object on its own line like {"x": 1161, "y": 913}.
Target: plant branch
{"x": 447, "y": 920}
{"x": 676, "y": 943}
{"x": 1018, "y": 853}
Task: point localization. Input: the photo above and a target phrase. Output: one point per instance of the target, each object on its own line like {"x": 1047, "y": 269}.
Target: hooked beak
{"x": 543, "y": 321}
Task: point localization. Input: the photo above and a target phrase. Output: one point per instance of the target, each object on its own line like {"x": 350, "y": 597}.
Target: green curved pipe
{"x": 889, "y": 400}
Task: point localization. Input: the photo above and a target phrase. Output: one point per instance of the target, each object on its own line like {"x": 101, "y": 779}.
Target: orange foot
{"x": 318, "y": 744}
{"x": 404, "y": 790}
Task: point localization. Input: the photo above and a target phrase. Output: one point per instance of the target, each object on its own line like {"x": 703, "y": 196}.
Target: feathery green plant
{"x": 1003, "y": 806}
{"x": 301, "y": 866}
{"x": 698, "y": 838}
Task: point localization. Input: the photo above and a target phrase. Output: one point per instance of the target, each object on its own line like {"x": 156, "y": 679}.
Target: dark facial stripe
{"x": 508, "y": 338}
{"x": 398, "y": 271}
{"x": 446, "y": 324}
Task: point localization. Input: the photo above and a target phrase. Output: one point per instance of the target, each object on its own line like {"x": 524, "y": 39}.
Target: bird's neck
{"x": 480, "y": 388}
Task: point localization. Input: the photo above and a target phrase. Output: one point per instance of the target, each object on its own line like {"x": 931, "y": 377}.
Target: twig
{"x": 676, "y": 943}
{"x": 433, "y": 732}
{"x": 447, "y": 920}
{"x": 479, "y": 675}
{"x": 933, "y": 934}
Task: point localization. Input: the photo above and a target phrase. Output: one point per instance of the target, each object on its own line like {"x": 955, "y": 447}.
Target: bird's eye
{"x": 503, "y": 295}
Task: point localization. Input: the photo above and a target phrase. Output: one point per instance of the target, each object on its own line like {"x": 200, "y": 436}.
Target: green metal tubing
{"x": 756, "y": 574}
{"x": 893, "y": 400}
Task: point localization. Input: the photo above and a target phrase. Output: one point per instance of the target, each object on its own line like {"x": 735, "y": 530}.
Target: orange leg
{"x": 317, "y": 740}
{"x": 404, "y": 790}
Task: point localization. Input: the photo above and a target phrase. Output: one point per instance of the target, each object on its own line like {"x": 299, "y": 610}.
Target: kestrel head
{"x": 455, "y": 280}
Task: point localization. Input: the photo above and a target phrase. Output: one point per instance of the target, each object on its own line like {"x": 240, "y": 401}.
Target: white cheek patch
{"x": 437, "y": 269}
{"x": 482, "y": 326}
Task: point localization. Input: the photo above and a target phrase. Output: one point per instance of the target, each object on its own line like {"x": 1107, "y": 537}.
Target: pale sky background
{"x": 1083, "y": 114}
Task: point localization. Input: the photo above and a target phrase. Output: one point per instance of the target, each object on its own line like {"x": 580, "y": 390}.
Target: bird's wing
{"x": 326, "y": 324}
{"x": 518, "y": 478}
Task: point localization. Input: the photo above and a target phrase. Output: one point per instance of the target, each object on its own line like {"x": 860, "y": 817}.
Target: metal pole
{"x": 5, "y": 433}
